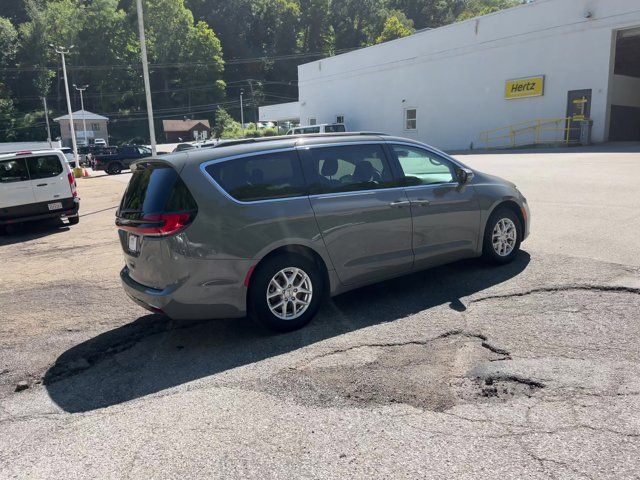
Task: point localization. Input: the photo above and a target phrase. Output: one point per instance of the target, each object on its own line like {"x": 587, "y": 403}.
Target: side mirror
{"x": 465, "y": 175}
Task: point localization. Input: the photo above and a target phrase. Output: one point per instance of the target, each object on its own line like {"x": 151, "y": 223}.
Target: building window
{"x": 340, "y": 119}
{"x": 312, "y": 121}
{"x": 410, "y": 119}
{"x": 95, "y": 127}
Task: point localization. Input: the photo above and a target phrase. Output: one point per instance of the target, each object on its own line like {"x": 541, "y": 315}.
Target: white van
{"x": 37, "y": 185}
{"x": 68, "y": 153}
{"x": 320, "y": 128}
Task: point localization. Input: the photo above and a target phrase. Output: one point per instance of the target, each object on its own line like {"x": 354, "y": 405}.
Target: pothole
{"x": 432, "y": 375}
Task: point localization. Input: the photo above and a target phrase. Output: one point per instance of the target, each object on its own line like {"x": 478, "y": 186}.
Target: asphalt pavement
{"x": 530, "y": 370}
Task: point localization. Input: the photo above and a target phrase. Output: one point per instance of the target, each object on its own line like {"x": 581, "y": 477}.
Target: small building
{"x": 536, "y": 73}
{"x": 186, "y": 130}
{"x": 96, "y": 127}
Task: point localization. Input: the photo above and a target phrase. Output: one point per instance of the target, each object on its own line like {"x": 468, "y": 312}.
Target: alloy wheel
{"x": 504, "y": 237}
{"x": 289, "y": 293}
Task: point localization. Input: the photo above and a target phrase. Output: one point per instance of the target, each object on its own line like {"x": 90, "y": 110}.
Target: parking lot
{"x": 530, "y": 370}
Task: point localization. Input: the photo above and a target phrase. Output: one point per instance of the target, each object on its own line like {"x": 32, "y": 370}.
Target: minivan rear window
{"x": 156, "y": 188}
{"x": 260, "y": 177}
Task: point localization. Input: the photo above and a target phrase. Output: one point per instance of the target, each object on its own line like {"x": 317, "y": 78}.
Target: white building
{"x": 96, "y": 127}
{"x": 570, "y": 58}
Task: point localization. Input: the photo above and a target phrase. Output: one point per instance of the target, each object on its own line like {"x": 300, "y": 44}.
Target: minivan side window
{"x": 421, "y": 167}
{"x": 260, "y": 177}
{"x": 347, "y": 168}
{"x": 44, "y": 167}
{"x": 13, "y": 171}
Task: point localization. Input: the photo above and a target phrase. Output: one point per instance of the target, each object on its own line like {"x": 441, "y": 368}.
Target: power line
{"x": 136, "y": 66}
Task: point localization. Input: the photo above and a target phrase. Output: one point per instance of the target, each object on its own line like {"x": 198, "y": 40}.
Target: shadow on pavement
{"x": 23, "y": 232}
{"x": 154, "y": 353}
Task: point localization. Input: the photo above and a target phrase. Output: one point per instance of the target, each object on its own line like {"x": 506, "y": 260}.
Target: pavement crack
{"x": 447, "y": 334}
{"x": 561, "y": 288}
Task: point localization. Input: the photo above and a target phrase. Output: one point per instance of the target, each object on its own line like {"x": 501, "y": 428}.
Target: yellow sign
{"x": 524, "y": 87}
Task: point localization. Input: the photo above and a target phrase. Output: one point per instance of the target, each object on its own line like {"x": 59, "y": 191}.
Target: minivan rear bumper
{"x": 188, "y": 301}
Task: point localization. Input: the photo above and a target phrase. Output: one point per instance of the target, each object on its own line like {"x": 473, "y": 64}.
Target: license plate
{"x": 133, "y": 243}
{"x": 55, "y": 206}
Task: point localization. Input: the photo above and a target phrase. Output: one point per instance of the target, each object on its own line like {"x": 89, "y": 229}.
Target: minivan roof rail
{"x": 241, "y": 141}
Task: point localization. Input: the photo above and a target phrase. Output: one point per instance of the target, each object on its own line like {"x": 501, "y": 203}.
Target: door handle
{"x": 400, "y": 203}
{"x": 41, "y": 185}
{"x": 421, "y": 202}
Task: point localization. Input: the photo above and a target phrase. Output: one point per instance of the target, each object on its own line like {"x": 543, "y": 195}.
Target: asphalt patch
{"x": 431, "y": 375}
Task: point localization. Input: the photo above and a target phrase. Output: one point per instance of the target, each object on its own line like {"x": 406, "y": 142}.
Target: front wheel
{"x": 114, "y": 169}
{"x": 285, "y": 292}
{"x": 502, "y": 236}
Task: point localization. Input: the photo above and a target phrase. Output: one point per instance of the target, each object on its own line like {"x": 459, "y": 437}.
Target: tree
{"x": 225, "y": 126}
{"x": 394, "y": 28}
{"x": 475, "y": 8}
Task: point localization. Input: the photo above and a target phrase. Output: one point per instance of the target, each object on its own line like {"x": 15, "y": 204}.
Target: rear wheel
{"x": 285, "y": 292}
{"x": 114, "y": 168}
{"x": 73, "y": 220}
{"x": 502, "y": 236}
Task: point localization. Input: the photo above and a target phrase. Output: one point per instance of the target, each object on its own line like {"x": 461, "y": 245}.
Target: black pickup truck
{"x": 116, "y": 159}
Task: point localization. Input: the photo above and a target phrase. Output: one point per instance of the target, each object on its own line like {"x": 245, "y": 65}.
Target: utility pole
{"x": 145, "y": 73}
{"x": 242, "y": 111}
{"x": 46, "y": 119}
{"x": 64, "y": 51}
{"x": 84, "y": 120}
{"x": 254, "y": 103}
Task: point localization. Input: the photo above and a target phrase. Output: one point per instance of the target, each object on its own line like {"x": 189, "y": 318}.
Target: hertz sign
{"x": 524, "y": 87}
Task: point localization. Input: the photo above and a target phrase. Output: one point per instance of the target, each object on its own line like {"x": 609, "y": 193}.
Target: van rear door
{"x": 50, "y": 178}
{"x": 15, "y": 185}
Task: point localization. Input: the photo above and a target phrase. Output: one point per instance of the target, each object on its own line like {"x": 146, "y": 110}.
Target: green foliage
{"x": 7, "y": 118}
{"x": 475, "y": 8}
{"x": 395, "y": 28}
{"x": 225, "y": 126}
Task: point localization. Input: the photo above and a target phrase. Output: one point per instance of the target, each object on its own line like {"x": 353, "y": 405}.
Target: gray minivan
{"x": 270, "y": 227}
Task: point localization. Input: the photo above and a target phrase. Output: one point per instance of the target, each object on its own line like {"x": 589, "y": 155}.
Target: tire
{"x": 73, "y": 220}
{"x": 114, "y": 169}
{"x": 508, "y": 244}
{"x": 296, "y": 267}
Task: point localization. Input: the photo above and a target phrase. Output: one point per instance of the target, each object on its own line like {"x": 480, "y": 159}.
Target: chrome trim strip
{"x": 322, "y": 196}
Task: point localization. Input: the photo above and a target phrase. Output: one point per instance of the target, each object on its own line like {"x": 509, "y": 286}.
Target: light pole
{"x": 242, "y": 111}
{"x": 84, "y": 120}
{"x": 63, "y": 51}
{"x": 46, "y": 118}
{"x": 145, "y": 73}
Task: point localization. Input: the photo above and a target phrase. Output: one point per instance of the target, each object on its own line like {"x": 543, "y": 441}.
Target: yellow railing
{"x": 541, "y": 131}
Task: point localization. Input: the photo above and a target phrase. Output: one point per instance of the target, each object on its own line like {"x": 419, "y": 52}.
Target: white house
{"x": 532, "y": 65}
{"x": 96, "y": 127}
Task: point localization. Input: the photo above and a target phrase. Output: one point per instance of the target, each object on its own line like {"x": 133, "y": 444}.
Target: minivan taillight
{"x": 157, "y": 225}
{"x": 72, "y": 185}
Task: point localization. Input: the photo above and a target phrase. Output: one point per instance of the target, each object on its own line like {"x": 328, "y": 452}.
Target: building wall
{"x": 455, "y": 75}
{"x": 280, "y": 112}
{"x": 95, "y": 129}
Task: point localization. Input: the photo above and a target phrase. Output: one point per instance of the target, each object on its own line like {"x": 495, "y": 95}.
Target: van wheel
{"x": 502, "y": 236}
{"x": 285, "y": 292}
{"x": 114, "y": 169}
{"x": 73, "y": 220}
